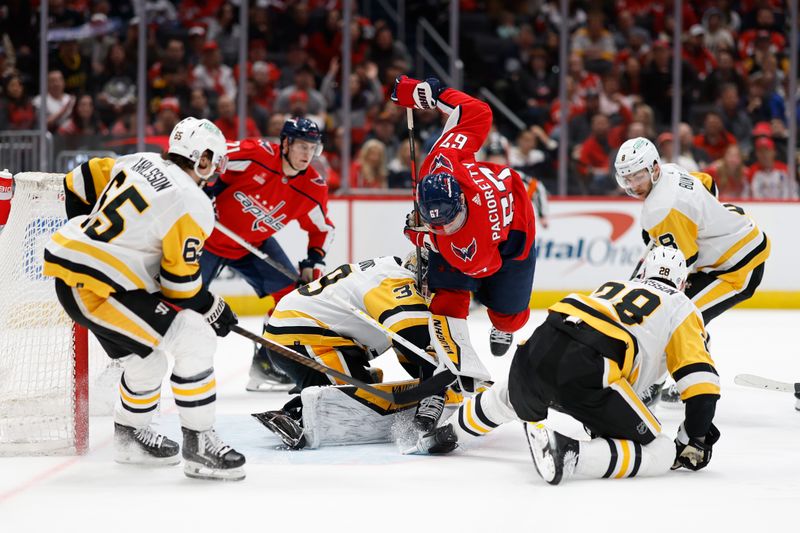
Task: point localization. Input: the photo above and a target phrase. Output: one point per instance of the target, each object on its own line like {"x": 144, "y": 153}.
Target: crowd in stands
{"x": 734, "y": 91}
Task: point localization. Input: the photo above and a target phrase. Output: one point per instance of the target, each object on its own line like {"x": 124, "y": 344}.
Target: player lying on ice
{"x": 476, "y": 218}
{"x": 321, "y": 320}
{"x": 591, "y": 359}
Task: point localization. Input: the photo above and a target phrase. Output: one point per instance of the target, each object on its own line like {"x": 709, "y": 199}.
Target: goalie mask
{"x": 666, "y": 264}
{"x": 410, "y": 264}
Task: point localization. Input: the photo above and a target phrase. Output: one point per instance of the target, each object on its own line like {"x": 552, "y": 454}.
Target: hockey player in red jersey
{"x": 265, "y": 187}
{"x": 476, "y": 217}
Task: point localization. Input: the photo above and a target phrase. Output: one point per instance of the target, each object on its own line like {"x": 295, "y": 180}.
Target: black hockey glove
{"x": 694, "y": 453}
{"x": 311, "y": 266}
{"x": 221, "y": 317}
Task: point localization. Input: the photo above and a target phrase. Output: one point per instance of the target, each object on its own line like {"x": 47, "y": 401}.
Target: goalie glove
{"x": 418, "y": 235}
{"x": 694, "y": 453}
{"x": 416, "y": 94}
{"x": 220, "y": 317}
{"x": 311, "y": 266}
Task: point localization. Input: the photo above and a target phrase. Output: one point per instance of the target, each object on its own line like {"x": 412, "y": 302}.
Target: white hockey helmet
{"x": 666, "y": 263}
{"x": 633, "y": 156}
{"x": 191, "y": 137}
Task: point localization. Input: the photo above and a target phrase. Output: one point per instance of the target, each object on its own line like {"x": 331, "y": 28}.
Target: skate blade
{"x": 199, "y": 471}
{"x": 265, "y": 386}
{"x": 145, "y": 460}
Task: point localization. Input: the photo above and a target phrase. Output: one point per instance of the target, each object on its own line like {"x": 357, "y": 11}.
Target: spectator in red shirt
{"x": 593, "y": 158}
{"x": 16, "y": 109}
{"x": 730, "y": 174}
{"x": 228, "y": 121}
{"x": 84, "y": 120}
{"x": 369, "y": 170}
{"x": 696, "y": 54}
{"x": 714, "y": 139}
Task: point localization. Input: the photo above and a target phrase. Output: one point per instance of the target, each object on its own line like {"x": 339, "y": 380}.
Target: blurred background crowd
{"x": 734, "y": 91}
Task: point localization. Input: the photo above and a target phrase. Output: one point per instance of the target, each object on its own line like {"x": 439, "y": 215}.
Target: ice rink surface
{"x": 752, "y": 483}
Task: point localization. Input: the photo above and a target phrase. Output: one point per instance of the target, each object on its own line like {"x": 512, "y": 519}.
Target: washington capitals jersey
{"x": 380, "y": 287}
{"x": 682, "y": 211}
{"x": 662, "y": 331}
{"x": 146, "y": 229}
{"x": 500, "y": 221}
{"x": 257, "y": 200}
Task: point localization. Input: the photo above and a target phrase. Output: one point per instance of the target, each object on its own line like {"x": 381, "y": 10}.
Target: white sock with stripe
{"x": 482, "y": 413}
{"x": 135, "y": 408}
{"x": 617, "y": 458}
{"x": 196, "y": 398}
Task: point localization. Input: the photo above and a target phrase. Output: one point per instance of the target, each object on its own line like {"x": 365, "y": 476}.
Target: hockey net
{"x": 48, "y": 366}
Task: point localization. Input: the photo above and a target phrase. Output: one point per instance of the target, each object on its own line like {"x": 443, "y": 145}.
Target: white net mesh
{"x": 37, "y": 349}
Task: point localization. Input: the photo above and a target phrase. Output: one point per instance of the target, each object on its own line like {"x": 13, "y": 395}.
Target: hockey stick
{"x": 413, "y": 156}
{"x": 650, "y": 246}
{"x": 426, "y": 388}
{"x": 364, "y": 317}
{"x": 256, "y": 252}
{"x": 758, "y": 382}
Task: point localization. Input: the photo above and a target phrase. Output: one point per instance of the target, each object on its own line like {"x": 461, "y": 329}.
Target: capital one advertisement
{"x": 586, "y": 242}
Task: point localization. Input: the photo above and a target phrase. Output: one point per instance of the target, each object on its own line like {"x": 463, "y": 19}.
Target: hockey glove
{"x": 220, "y": 317}
{"x": 416, "y": 94}
{"x": 311, "y": 266}
{"x": 694, "y": 453}
{"x": 418, "y": 235}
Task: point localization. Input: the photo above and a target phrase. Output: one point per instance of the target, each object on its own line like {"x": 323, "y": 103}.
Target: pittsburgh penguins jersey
{"x": 145, "y": 231}
{"x": 380, "y": 287}
{"x": 652, "y": 319}
{"x": 682, "y": 211}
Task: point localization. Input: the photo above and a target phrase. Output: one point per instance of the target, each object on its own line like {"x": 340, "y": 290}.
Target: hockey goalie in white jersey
{"x": 591, "y": 359}
{"x": 126, "y": 268}
{"x": 320, "y": 320}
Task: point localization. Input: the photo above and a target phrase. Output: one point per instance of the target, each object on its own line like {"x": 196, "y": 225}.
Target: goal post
{"x": 45, "y": 364}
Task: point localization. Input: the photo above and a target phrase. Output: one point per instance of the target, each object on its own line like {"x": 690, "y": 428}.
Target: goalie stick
{"x": 758, "y": 382}
{"x": 414, "y": 394}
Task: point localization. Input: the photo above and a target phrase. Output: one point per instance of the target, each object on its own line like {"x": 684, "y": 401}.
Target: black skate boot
{"x": 207, "y": 457}
{"x": 500, "y": 342}
{"x": 439, "y": 441}
{"x": 289, "y": 429}
{"x": 265, "y": 376}
{"x": 651, "y": 397}
{"x": 555, "y": 456}
{"x": 143, "y": 446}
{"x": 428, "y": 412}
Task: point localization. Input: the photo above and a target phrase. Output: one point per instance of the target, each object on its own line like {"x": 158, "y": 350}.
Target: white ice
{"x": 753, "y": 482}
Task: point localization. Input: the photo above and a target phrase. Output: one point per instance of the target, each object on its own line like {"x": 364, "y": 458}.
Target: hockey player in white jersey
{"x": 591, "y": 359}
{"x": 126, "y": 267}
{"x": 724, "y": 248}
{"x": 320, "y": 321}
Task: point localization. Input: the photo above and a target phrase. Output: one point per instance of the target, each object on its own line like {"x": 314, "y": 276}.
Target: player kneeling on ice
{"x": 344, "y": 320}
{"x": 591, "y": 359}
{"x": 126, "y": 268}
{"x": 475, "y": 218}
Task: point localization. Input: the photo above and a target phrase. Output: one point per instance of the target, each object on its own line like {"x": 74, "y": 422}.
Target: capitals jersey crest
{"x": 440, "y": 161}
{"x": 467, "y": 252}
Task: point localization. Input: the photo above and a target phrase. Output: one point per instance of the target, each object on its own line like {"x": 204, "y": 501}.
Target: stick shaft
{"x": 256, "y": 252}
{"x": 413, "y": 156}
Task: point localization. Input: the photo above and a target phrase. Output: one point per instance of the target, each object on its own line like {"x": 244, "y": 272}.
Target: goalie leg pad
{"x": 450, "y": 339}
{"x": 341, "y": 415}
